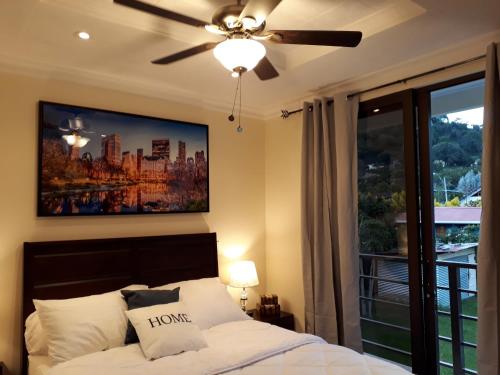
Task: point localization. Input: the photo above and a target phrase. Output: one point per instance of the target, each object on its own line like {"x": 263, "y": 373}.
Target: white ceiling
{"x": 40, "y": 35}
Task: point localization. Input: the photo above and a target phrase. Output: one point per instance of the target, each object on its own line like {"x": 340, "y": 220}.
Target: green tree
{"x": 467, "y": 138}
{"x": 399, "y": 201}
{"x": 376, "y": 236}
{"x": 455, "y": 202}
{"x": 450, "y": 153}
{"x": 464, "y": 234}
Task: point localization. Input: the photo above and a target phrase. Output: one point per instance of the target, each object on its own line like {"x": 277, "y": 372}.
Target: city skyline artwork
{"x": 99, "y": 162}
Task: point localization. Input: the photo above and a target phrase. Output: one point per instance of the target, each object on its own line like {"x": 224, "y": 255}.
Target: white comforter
{"x": 237, "y": 348}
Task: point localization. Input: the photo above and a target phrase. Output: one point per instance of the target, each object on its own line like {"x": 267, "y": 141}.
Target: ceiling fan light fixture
{"x": 249, "y": 23}
{"x": 83, "y": 35}
{"x": 231, "y": 21}
{"x": 214, "y": 29}
{"x": 239, "y": 54}
{"x": 76, "y": 140}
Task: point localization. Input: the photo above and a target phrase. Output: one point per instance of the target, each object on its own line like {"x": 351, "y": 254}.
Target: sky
{"x": 135, "y": 132}
{"x": 470, "y": 117}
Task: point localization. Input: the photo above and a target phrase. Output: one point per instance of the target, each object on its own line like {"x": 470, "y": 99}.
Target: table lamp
{"x": 243, "y": 274}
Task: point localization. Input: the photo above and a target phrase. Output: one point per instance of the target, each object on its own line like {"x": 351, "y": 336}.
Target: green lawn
{"x": 469, "y": 307}
{"x": 399, "y": 315}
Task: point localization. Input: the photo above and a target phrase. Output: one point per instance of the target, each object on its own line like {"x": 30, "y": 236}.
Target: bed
{"x": 68, "y": 269}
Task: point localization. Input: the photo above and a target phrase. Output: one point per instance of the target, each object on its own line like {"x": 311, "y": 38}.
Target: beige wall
{"x": 284, "y": 259}
{"x": 236, "y": 187}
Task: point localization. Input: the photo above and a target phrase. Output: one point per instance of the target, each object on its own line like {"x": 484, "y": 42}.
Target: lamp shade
{"x": 239, "y": 53}
{"x": 243, "y": 274}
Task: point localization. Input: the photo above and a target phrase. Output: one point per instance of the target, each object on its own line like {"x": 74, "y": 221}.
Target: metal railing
{"x": 372, "y": 298}
{"x": 456, "y": 316}
{"x": 370, "y": 295}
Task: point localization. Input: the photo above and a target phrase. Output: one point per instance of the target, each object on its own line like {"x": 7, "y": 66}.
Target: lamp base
{"x": 243, "y": 299}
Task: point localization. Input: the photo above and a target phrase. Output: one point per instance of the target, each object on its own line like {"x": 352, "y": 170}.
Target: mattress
{"x": 38, "y": 364}
{"x": 236, "y": 348}
{"x": 310, "y": 359}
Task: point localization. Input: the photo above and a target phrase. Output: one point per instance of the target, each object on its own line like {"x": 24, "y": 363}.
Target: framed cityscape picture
{"x": 99, "y": 162}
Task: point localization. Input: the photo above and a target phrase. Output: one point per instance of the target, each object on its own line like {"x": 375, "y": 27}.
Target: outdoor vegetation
{"x": 456, "y": 156}
{"x": 469, "y": 307}
{"x": 456, "y": 162}
{"x": 381, "y": 184}
{"x": 399, "y": 315}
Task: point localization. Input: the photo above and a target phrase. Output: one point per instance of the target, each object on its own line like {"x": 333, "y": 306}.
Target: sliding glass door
{"x": 419, "y": 160}
{"x": 451, "y": 146}
{"x": 390, "y": 286}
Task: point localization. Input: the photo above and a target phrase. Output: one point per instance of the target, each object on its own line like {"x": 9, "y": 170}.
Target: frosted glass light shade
{"x": 76, "y": 140}
{"x": 236, "y": 53}
{"x": 243, "y": 274}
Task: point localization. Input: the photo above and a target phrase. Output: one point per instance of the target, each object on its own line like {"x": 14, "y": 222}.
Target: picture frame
{"x": 97, "y": 162}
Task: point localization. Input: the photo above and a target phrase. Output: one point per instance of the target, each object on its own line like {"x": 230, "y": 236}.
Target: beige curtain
{"x": 329, "y": 221}
{"x": 488, "y": 350}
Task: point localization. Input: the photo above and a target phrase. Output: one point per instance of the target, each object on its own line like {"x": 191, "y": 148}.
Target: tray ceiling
{"x": 39, "y": 35}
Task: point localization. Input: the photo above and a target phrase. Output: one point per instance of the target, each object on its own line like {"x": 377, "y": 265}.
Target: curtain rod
{"x": 285, "y": 113}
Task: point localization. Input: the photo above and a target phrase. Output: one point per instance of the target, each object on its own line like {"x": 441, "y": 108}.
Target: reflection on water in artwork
{"x": 142, "y": 197}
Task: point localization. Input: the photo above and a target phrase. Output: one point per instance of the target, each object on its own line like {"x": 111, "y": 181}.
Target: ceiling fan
{"x": 244, "y": 27}
{"x": 77, "y": 129}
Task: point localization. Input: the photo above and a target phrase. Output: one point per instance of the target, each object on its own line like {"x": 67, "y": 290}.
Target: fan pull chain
{"x": 231, "y": 116}
{"x": 239, "y": 129}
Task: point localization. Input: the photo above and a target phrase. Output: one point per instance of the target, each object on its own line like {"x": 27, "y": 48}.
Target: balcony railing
{"x": 458, "y": 317}
{"x": 385, "y": 311}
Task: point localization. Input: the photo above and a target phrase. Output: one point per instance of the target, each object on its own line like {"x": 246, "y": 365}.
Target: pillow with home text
{"x": 166, "y": 330}
{"x": 144, "y": 298}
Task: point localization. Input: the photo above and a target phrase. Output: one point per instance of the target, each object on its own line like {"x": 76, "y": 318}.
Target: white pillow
{"x": 79, "y": 326}
{"x": 166, "y": 330}
{"x": 34, "y": 336}
{"x": 208, "y": 302}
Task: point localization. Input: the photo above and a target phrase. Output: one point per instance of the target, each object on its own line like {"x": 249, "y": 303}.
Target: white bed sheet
{"x": 237, "y": 348}
{"x": 38, "y": 364}
{"x": 320, "y": 359}
{"x": 310, "y": 359}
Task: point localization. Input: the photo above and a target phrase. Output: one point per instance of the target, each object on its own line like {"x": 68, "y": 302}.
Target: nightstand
{"x": 2, "y": 368}
{"x": 283, "y": 320}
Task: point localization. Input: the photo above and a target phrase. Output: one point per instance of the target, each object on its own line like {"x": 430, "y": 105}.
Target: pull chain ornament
{"x": 239, "y": 129}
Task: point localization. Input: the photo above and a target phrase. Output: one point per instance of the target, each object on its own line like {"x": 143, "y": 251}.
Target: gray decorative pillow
{"x": 144, "y": 298}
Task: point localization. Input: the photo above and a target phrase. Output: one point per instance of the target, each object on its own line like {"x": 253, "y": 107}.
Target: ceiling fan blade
{"x": 184, "y": 54}
{"x": 259, "y": 9}
{"x": 265, "y": 70}
{"x": 157, "y": 11}
{"x": 317, "y": 37}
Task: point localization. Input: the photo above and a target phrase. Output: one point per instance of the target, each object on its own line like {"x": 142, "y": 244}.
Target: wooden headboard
{"x": 67, "y": 269}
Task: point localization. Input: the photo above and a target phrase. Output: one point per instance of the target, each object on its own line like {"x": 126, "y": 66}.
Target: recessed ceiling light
{"x": 83, "y": 35}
